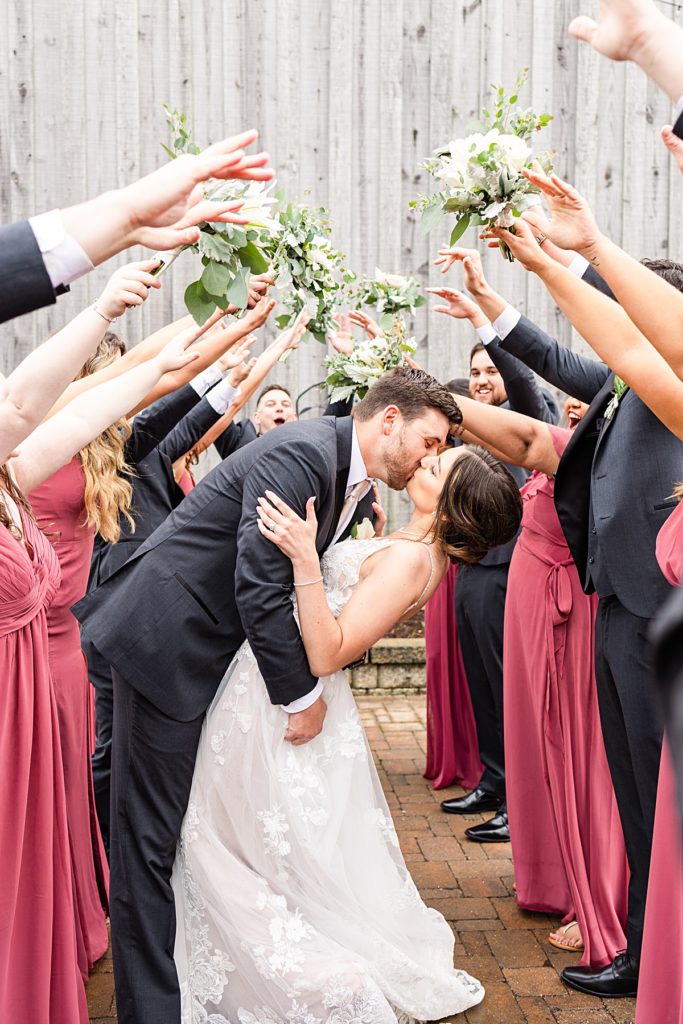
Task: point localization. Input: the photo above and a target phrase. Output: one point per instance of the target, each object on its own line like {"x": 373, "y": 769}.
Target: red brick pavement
{"x": 470, "y": 883}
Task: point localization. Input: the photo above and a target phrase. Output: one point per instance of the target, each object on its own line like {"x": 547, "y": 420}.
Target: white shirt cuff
{"x": 222, "y": 396}
{"x": 301, "y": 703}
{"x": 486, "y": 333}
{"x": 206, "y": 380}
{"x": 578, "y": 265}
{"x": 64, "y": 259}
{"x": 507, "y": 321}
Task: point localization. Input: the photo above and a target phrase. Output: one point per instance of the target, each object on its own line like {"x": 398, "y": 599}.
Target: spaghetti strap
{"x": 427, "y": 584}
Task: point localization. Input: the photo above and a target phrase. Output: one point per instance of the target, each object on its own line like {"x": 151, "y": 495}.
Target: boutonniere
{"x": 619, "y": 389}
{"x": 363, "y": 531}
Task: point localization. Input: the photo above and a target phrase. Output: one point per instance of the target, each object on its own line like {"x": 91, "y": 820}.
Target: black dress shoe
{"x": 495, "y": 830}
{"x": 472, "y": 803}
{"x": 620, "y": 978}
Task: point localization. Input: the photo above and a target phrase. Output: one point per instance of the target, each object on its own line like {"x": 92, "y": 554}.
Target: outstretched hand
{"x": 127, "y": 286}
{"x": 366, "y": 323}
{"x": 459, "y": 306}
{"x": 475, "y": 280}
{"x": 523, "y": 243}
{"x": 572, "y": 224}
{"x": 620, "y": 28}
{"x": 341, "y": 340}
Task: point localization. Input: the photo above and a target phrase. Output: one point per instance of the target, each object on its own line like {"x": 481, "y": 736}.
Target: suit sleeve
{"x": 154, "y": 423}
{"x": 25, "y": 284}
{"x": 263, "y": 575}
{"x": 578, "y": 376}
{"x": 191, "y": 428}
{"x": 523, "y": 390}
{"x": 229, "y": 441}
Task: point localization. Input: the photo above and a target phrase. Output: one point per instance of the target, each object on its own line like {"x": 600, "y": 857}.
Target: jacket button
{"x": 591, "y": 559}
{"x": 594, "y": 530}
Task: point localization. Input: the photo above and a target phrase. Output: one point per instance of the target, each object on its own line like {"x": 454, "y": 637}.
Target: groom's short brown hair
{"x": 412, "y": 391}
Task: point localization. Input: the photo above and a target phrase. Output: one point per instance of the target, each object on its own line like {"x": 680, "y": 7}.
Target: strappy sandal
{"x": 568, "y": 947}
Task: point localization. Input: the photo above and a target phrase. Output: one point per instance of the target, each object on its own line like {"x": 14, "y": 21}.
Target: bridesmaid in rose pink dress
{"x": 452, "y": 747}
{"x": 567, "y": 844}
{"x": 39, "y": 976}
{"x": 660, "y": 985}
{"x": 60, "y": 511}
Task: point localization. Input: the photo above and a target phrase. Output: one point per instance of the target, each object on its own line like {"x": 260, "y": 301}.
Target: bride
{"x": 293, "y": 902}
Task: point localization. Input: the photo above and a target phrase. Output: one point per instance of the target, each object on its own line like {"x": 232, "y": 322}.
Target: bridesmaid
{"x": 567, "y": 844}
{"x": 452, "y": 745}
{"x": 80, "y": 499}
{"x": 40, "y": 979}
{"x": 662, "y": 956}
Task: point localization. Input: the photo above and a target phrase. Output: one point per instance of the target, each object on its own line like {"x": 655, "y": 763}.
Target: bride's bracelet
{"x": 309, "y": 583}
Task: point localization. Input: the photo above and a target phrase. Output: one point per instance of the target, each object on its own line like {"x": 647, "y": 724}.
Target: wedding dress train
{"x": 294, "y": 904}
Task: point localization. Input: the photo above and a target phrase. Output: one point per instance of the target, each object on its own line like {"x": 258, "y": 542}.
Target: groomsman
{"x": 613, "y": 494}
{"x": 496, "y": 378}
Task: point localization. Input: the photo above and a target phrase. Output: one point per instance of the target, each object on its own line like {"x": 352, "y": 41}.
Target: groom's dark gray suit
{"x": 169, "y": 622}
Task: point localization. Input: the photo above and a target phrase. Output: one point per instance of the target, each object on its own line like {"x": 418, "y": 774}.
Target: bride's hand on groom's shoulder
{"x": 294, "y": 536}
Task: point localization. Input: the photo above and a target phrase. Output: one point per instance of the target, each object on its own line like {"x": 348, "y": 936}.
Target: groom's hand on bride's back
{"x": 305, "y": 725}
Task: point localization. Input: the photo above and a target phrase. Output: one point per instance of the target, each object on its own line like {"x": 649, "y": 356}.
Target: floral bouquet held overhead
{"x": 352, "y": 373}
{"x": 482, "y": 172}
{"x": 390, "y": 294}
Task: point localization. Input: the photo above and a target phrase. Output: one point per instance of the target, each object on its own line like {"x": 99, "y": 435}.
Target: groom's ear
{"x": 390, "y": 419}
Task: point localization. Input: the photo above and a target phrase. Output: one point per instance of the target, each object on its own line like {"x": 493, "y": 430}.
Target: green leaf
{"x": 319, "y": 336}
{"x": 215, "y": 278}
{"x": 419, "y": 301}
{"x": 238, "y": 290}
{"x": 430, "y": 218}
{"x": 460, "y": 228}
{"x": 198, "y": 303}
{"x": 170, "y": 152}
{"x": 283, "y": 320}
{"x": 251, "y": 256}
{"x": 386, "y": 321}
{"x": 216, "y": 247}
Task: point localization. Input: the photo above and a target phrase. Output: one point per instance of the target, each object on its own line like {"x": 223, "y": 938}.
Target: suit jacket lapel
{"x": 344, "y": 428}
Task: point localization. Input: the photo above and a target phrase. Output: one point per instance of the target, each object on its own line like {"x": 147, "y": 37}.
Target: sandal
{"x": 568, "y": 947}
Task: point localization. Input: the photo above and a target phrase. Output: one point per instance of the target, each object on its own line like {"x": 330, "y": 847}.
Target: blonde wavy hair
{"x": 107, "y": 492}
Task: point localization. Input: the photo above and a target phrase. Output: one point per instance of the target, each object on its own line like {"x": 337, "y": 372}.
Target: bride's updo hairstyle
{"x": 480, "y": 507}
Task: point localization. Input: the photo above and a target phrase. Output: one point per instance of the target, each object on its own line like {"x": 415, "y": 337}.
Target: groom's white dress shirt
{"x": 358, "y": 475}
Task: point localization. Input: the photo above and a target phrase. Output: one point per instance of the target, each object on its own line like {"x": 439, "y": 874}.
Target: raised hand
{"x": 362, "y": 320}
{"x": 258, "y": 314}
{"x": 523, "y": 243}
{"x": 674, "y": 145}
{"x": 258, "y": 287}
{"x": 128, "y": 286}
{"x": 620, "y": 28}
{"x": 459, "y": 306}
{"x": 235, "y": 356}
{"x": 572, "y": 224}
{"x": 175, "y": 354}
{"x": 341, "y": 340}
{"x": 475, "y": 280}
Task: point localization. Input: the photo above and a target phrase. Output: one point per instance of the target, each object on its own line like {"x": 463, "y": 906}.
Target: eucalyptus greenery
{"x": 352, "y": 374}
{"x": 482, "y": 172}
{"x": 389, "y": 294}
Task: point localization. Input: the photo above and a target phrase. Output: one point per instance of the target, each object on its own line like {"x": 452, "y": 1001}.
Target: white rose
{"x": 516, "y": 151}
{"x": 364, "y": 530}
{"x": 393, "y": 280}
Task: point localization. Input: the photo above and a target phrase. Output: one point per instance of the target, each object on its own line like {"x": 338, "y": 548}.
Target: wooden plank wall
{"x": 349, "y": 96}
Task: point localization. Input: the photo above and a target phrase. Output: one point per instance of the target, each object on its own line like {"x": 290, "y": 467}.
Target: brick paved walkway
{"x": 470, "y": 883}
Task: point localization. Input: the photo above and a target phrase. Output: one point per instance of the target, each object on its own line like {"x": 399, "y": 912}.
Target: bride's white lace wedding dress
{"x": 294, "y": 904}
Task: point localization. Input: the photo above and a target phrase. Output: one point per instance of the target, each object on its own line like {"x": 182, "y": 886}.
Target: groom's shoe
{"x": 620, "y": 978}
{"x": 495, "y": 830}
{"x": 472, "y": 803}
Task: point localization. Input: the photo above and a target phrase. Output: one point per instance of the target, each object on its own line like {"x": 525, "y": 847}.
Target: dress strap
{"x": 427, "y": 584}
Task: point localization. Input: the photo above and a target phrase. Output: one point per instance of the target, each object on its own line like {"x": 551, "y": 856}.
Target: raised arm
{"x": 522, "y": 440}
{"x": 608, "y": 330}
{"x": 53, "y": 443}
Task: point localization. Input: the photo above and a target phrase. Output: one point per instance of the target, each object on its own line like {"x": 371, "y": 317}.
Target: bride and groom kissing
{"x": 255, "y": 871}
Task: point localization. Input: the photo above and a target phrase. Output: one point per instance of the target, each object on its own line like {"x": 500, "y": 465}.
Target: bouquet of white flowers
{"x": 390, "y": 294}
{"x": 309, "y": 271}
{"x": 483, "y": 171}
{"x": 353, "y": 374}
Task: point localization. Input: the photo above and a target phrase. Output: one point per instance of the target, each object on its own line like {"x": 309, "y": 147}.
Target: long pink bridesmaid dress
{"x": 59, "y": 508}
{"x": 39, "y": 977}
{"x": 567, "y": 844}
{"x": 660, "y": 985}
{"x": 452, "y": 746}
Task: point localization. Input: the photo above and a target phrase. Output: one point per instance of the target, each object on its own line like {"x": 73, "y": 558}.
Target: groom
{"x": 171, "y": 620}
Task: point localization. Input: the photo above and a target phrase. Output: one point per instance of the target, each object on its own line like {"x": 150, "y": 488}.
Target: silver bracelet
{"x": 94, "y": 306}
{"x": 309, "y": 583}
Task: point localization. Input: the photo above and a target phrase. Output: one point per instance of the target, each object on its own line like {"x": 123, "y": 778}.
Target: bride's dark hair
{"x": 480, "y": 507}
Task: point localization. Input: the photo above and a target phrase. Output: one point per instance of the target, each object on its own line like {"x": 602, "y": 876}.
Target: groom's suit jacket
{"x": 172, "y": 618}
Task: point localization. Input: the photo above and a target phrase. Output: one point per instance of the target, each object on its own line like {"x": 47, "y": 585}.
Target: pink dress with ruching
{"x": 39, "y": 977}
{"x": 59, "y": 507}
{"x": 660, "y": 985}
{"x": 452, "y": 745}
{"x": 567, "y": 843}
